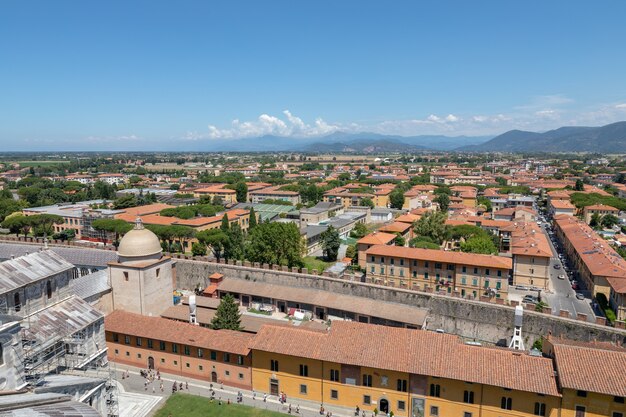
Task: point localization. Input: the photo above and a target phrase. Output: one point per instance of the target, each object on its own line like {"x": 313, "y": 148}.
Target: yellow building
{"x": 592, "y": 377}
{"x": 471, "y": 275}
{"x": 407, "y": 372}
{"x": 227, "y": 195}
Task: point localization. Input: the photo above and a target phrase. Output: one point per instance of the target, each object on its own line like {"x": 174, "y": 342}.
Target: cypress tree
{"x": 227, "y": 315}
{"x": 225, "y": 224}
{"x": 252, "y": 222}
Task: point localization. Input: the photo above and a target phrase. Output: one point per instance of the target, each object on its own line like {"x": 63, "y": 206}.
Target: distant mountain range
{"x": 348, "y": 143}
{"x": 604, "y": 139}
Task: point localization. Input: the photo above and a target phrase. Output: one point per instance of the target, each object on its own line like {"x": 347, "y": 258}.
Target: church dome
{"x": 139, "y": 243}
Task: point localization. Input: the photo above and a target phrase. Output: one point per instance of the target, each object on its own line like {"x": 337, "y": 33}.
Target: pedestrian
{"x": 187, "y": 385}
{"x": 289, "y": 410}
{"x": 298, "y": 409}
{"x": 161, "y": 386}
{"x": 253, "y": 395}
{"x": 264, "y": 398}
{"x": 153, "y": 390}
{"x": 228, "y": 401}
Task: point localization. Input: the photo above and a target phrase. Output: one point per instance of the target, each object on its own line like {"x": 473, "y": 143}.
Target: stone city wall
{"x": 475, "y": 320}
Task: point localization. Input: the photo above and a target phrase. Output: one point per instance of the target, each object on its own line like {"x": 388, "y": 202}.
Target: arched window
{"x": 49, "y": 289}
{"x": 16, "y": 301}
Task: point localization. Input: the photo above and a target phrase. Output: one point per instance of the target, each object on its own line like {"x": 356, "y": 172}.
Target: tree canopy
{"x": 227, "y": 315}
{"x": 330, "y": 243}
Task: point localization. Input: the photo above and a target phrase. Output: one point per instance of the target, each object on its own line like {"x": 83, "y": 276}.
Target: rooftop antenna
{"x": 517, "y": 342}
{"x": 192, "y": 310}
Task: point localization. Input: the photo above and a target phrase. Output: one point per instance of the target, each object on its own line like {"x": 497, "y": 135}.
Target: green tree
{"x": 479, "y": 244}
{"x": 330, "y": 243}
{"x": 433, "y": 225}
{"x": 198, "y": 249}
{"x": 126, "y": 201}
{"x": 367, "y": 202}
{"x": 17, "y": 223}
{"x": 399, "y": 240}
{"x": 595, "y": 221}
{"x": 116, "y": 226}
{"x": 275, "y": 244}
{"x": 227, "y": 315}
{"x": 234, "y": 247}
{"x": 182, "y": 234}
{"x": 9, "y": 206}
{"x": 443, "y": 200}
{"x": 485, "y": 202}
{"x": 43, "y": 223}
{"x": 225, "y": 223}
{"x": 351, "y": 252}
{"x": 359, "y": 230}
{"x": 252, "y": 223}
{"x": 242, "y": 191}
{"x": 215, "y": 239}
{"x": 396, "y": 199}
{"x": 579, "y": 186}
{"x": 609, "y": 220}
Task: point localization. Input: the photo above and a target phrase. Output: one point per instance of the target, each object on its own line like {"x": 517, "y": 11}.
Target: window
{"x": 150, "y": 344}
{"x": 474, "y": 282}
{"x": 127, "y": 340}
{"x": 425, "y": 264}
{"x": 402, "y": 272}
{"x": 49, "y": 289}
{"x": 580, "y": 411}
{"x": 619, "y": 400}
{"x": 174, "y": 348}
{"x": 200, "y": 367}
{"x": 373, "y": 259}
{"x": 392, "y": 261}
{"x": 239, "y": 360}
{"x": 367, "y": 399}
{"x": 186, "y": 350}
{"x": 373, "y": 269}
{"x": 187, "y": 365}
{"x": 138, "y": 341}
{"x": 434, "y": 410}
{"x": 425, "y": 275}
{"x": 382, "y": 269}
{"x": 450, "y": 267}
{"x": 213, "y": 355}
{"x": 125, "y": 276}
{"x": 540, "y": 409}
{"x": 498, "y": 285}
{"x": 499, "y": 273}
{"x": 401, "y": 405}
{"x": 401, "y": 385}
{"x": 304, "y": 370}
{"x": 390, "y": 271}
{"x": 334, "y": 375}
{"x": 414, "y": 274}
{"x": 200, "y": 353}
{"x": 437, "y": 266}
{"x": 116, "y": 337}
{"x": 334, "y": 394}
{"x": 117, "y": 351}
{"x": 227, "y": 373}
{"x": 226, "y": 357}
{"x": 464, "y": 269}
{"x": 487, "y": 272}
{"x": 382, "y": 260}
{"x": 486, "y": 283}
{"x": 435, "y": 390}
{"x": 302, "y": 389}
{"x": 240, "y": 376}
{"x": 401, "y": 262}
{"x": 16, "y": 301}
{"x": 581, "y": 393}
{"x": 463, "y": 281}
{"x": 127, "y": 353}
{"x": 468, "y": 397}
{"x": 467, "y": 414}
{"x": 367, "y": 380}
{"x": 161, "y": 345}
{"x": 506, "y": 403}
{"x": 162, "y": 360}
{"x": 617, "y": 414}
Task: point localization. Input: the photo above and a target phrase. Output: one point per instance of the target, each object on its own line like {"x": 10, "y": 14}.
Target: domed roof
{"x": 139, "y": 242}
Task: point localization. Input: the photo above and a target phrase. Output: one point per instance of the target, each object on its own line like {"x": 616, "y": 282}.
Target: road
{"x": 563, "y": 297}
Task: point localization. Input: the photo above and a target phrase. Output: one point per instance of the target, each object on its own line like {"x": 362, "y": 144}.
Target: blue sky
{"x": 118, "y": 74}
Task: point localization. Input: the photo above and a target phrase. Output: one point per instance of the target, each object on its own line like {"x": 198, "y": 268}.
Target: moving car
{"x": 580, "y": 296}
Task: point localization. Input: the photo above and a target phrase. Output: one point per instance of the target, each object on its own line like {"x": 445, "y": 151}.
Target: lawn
{"x": 185, "y": 405}
{"x": 312, "y": 262}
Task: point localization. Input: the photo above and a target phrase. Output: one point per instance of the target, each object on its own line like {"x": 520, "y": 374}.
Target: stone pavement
{"x": 136, "y": 384}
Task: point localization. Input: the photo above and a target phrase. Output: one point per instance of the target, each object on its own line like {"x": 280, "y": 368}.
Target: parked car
{"x": 574, "y": 286}
{"x": 561, "y": 276}
{"x": 529, "y": 299}
{"x": 557, "y": 266}
{"x": 580, "y": 296}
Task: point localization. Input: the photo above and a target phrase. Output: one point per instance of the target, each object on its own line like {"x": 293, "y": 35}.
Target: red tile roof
{"x": 158, "y": 328}
{"x": 459, "y": 258}
{"x": 377, "y": 238}
{"x": 422, "y": 352}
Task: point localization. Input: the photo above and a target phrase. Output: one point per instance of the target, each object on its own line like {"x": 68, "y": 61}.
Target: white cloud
{"x": 621, "y": 106}
{"x": 267, "y": 124}
{"x": 452, "y": 118}
{"x": 433, "y": 118}
{"x": 104, "y": 139}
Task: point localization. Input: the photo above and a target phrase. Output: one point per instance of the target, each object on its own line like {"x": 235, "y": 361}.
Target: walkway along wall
{"x": 480, "y": 321}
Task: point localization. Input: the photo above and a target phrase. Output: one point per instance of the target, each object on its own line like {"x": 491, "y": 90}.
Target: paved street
{"x": 562, "y": 296}
{"x": 135, "y": 384}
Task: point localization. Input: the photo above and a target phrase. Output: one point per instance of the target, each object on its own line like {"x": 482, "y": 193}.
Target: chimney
{"x": 192, "y": 310}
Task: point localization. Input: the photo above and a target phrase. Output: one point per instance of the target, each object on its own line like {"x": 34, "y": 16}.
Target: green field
{"x": 311, "y": 262}
{"x": 28, "y": 164}
{"x": 185, "y": 405}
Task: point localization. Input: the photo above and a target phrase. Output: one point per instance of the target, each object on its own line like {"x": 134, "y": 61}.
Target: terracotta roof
{"x": 394, "y": 227}
{"x": 460, "y": 258}
{"x": 600, "y": 258}
{"x": 408, "y": 218}
{"x": 377, "y": 238}
{"x": 423, "y": 353}
{"x": 601, "y": 207}
{"x": 562, "y": 205}
{"x": 184, "y": 333}
{"x": 148, "y": 209}
{"x": 588, "y": 369}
